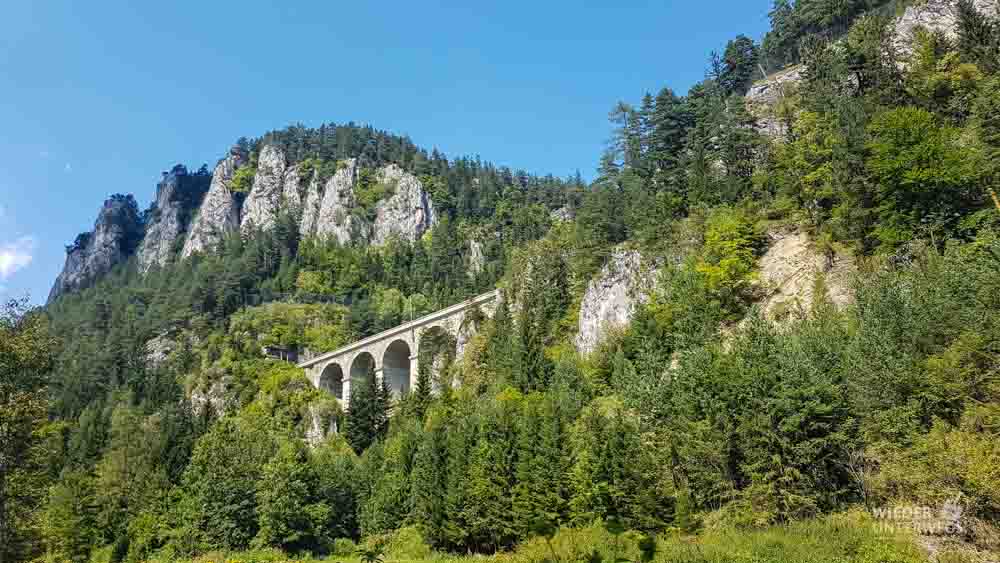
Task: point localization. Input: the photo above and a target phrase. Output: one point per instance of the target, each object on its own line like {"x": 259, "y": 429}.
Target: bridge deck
{"x": 400, "y": 329}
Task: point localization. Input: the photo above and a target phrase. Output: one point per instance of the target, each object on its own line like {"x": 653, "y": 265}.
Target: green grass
{"x": 835, "y": 539}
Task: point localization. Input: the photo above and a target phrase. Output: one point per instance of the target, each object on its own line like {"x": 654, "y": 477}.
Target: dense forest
{"x": 703, "y": 414}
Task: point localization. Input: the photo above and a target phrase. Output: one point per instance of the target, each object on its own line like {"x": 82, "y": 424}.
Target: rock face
{"x": 333, "y": 212}
{"x": 932, "y": 15}
{"x": 612, "y": 297}
{"x": 116, "y": 233}
{"x": 788, "y": 273}
{"x": 332, "y": 217}
{"x": 319, "y": 425}
{"x": 220, "y": 211}
{"x": 763, "y": 97}
{"x": 263, "y": 201}
{"x": 292, "y": 193}
{"x": 477, "y": 258}
{"x": 408, "y": 213}
{"x": 562, "y": 214}
{"x": 193, "y": 212}
{"x": 177, "y": 196}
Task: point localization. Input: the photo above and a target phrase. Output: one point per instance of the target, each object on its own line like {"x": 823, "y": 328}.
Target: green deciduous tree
{"x": 26, "y": 354}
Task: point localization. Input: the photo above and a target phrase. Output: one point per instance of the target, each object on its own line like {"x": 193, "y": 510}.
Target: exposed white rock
{"x": 291, "y": 195}
{"x": 264, "y": 200}
{"x": 176, "y": 197}
{"x": 408, "y": 213}
{"x": 334, "y": 219}
{"x": 214, "y": 397}
{"x": 158, "y": 349}
{"x": 763, "y": 97}
{"x": 116, "y": 231}
{"x": 319, "y": 425}
{"x": 220, "y": 212}
{"x": 788, "y": 273}
{"x": 932, "y": 15}
{"x": 165, "y": 227}
{"x": 477, "y": 259}
{"x": 613, "y": 296}
{"x": 311, "y": 204}
{"x": 562, "y": 214}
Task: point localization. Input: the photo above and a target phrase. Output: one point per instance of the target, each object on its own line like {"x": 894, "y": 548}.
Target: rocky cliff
{"x": 408, "y": 213}
{"x": 613, "y": 297}
{"x": 790, "y": 269}
{"x": 116, "y": 233}
{"x": 193, "y": 212}
{"x": 763, "y": 97}
{"x": 335, "y": 212}
{"x": 220, "y": 211}
{"x": 178, "y": 195}
{"x": 328, "y": 214}
{"x": 263, "y": 202}
{"x": 932, "y": 15}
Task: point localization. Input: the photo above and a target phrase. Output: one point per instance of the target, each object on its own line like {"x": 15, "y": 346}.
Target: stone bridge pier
{"x": 393, "y": 355}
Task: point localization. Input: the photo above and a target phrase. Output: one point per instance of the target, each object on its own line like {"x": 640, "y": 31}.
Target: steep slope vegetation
{"x": 739, "y": 324}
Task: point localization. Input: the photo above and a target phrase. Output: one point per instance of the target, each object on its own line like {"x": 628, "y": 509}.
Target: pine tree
{"x": 488, "y": 511}
{"x": 430, "y": 483}
{"x": 669, "y": 126}
{"x": 368, "y": 414}
{"x": 739, "y": 65}
{"x": 539, "y": 495}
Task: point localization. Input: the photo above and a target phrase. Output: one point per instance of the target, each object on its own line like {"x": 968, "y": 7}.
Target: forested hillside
{"x": 772, "y": 316}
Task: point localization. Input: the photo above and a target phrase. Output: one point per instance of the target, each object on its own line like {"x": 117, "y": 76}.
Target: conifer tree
{"x": 368, "y": 414}
{"x": 430, "y": 481}
{"x": 539, "y": 495}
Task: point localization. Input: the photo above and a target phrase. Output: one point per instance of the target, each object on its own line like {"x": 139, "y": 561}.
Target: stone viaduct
{"x": 393, "y": 354}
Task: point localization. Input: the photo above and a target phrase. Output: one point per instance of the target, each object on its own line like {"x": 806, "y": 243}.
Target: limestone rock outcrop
{"x": 193, "y": 212}
{"x": 408, "y": 213}
{"x": 764, "y": 96}
{"x": 477, "y": 258}
{"x": 116, "y": 234}
{"x": 331, "y": 215}
{"x": 319, "y": 424}
{"x": 292, "y": 193}
{"x": 264, "y": 200}
{"x": 335, "y": 212}
{"x": 220, "y": 211}
{"x": 564, "y": 213}
{"x": 613, "y": 296}
{"x": 177, "y": 196}
{"x": 932, "y": 15}
{"x": 789, "y": 270}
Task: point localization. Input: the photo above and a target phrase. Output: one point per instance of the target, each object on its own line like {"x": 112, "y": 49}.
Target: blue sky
{"x": 100, "y": 97}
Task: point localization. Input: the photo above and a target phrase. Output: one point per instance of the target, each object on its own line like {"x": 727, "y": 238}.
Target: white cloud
{"x": 15, "y": 256}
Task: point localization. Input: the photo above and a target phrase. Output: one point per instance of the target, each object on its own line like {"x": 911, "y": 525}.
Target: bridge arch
{"x": 363, "y": 366}
{"x": 446, "y": 330}
{"x": 437, "y": 349}
{"x": 332, "y": 380}
{"x": 396, "y": 367}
